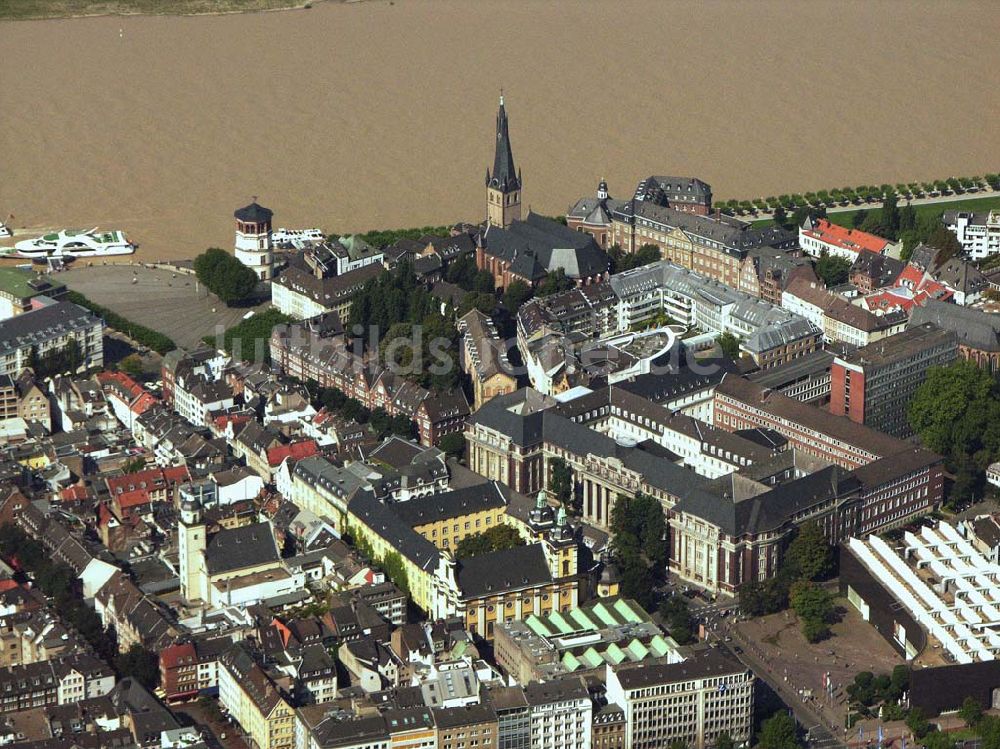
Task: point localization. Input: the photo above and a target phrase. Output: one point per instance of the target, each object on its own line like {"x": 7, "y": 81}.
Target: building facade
{"x": 873, "y": 385}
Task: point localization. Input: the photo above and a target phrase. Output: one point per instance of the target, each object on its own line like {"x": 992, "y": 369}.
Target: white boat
{"x": 297, "y": 238}
{"x": 4, "y": 231}
{"x": 73, "y": 243}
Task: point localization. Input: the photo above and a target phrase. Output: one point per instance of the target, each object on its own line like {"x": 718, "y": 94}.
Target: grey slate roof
{"x": 239, "y": 548}
{"x": 254, "y": 213}
{"x": 40, "y": 325}
{"x": 539, "y": 245}
{"x": 975, "y": 328}
{"x": 382, "y": 519}
{"x": 735, "y": 514}
{"x": 420, "y": 510}
{"x": 504, "y": 176}
{"x": 501, "y": 571}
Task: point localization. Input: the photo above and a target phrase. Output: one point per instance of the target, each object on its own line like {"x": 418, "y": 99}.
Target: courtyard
{"x": 174, "y": 304}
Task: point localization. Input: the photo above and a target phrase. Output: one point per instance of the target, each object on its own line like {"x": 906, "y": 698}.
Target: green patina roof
{"x": 604, "y": 614}
{"x": 559, "y": 622}
{"x": 581, "y": 618}
{"x": 537, "y": 626}
{"x": 627, "y": 612}
{"x": 637, "y": 650}
{"x": 570, "y": 661}
{"x": 659, "y": 646}
{"x": 592, "y": 658}
{"x": 614, "y": 654}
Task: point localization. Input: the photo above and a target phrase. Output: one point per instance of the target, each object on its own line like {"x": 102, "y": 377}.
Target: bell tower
{"x": 503, "y": 186}
{"x": 191, "y": 542}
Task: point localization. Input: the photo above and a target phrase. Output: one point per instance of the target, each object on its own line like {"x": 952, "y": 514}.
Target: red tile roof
{"x": 296, "y": 451}
{"x": 852, "y": 240}
{"x": 138, "y": 398}
{"x": 75, "y": 493}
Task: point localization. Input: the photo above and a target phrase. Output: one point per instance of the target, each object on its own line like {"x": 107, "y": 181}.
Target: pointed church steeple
{"x": 503, "y": 185}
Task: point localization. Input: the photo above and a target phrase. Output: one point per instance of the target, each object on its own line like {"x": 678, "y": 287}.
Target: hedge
{"x": 160, "y": 343}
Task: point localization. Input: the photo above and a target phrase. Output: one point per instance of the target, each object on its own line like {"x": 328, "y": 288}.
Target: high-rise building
{"x": 874, "y": 384}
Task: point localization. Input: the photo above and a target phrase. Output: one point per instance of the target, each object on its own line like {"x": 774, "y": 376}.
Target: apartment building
{"x": 484, "y": 358}
{"x": 822, "y": 237}
{"x": 693, "y": 702}
{"x": 873, "y": 385}
{"x": 254, "y": 701}
{"x": 48, "y": 330}
{"x": 978, "y": 233}
{"x": 560, "y": 713}
{"x": 839, "y": 319}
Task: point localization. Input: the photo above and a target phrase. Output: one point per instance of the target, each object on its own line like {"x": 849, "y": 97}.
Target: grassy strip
{"x": 845, "y": 216}
{"x": 160, "y": 343}
{"x": 29, "y": 9}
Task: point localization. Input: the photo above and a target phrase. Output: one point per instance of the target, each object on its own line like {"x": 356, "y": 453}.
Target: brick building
{"x": 874, "y": 384}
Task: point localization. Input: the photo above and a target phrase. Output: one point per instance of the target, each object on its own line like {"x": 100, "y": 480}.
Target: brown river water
{"x": 379, "y": 114}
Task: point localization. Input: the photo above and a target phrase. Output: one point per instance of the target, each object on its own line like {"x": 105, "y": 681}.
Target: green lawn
{"x": 25, "y": 9}
{"x": 845, "y": 217}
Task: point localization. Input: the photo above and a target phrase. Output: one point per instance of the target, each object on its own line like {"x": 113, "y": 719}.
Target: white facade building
{"x": 692, "y": 702}
{"x": 979, "y": 233}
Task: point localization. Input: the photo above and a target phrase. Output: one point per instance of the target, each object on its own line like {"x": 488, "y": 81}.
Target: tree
{"x": 677, "y": 744}
{"x": 483, "y": 301}
{"x": 453, "y": 444}
{"x": 956, "y": 412}
{"x": 131, "y": 365}
{"x": 833, "y": 270}
{"x": 517, "y": 293}
{"x": 907, "y": 218}
{"x": 561, "y": 481}
{"x": 141, "y": 664}
{"x": 779, "y": 215}
{"x": 497, "y": 538}
{"x": 938, "y": 740}
{"x": 945, "y": 242}
{"x": 814, "y": 606}
{"x": 724, "y": 741}
{"x": 809, "y": 556}
{"x": 395, "y": 570}
{"x": 858, "y": 218}
{"x": 917, "y": 722}
{"x": 674, "y": 612}
{"x": 225, "y": 276}
{"x": 971, "y": 711}
{"x": 778, "y": 732}
{"x": 729, "y": 344}
{"x": 554, "y": 282}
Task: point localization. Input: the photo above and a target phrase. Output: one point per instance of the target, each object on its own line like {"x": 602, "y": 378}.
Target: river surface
{"x": 378, "y": 114}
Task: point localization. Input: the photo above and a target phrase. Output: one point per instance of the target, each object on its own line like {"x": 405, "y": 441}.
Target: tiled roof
{"x": 852, "y": 240}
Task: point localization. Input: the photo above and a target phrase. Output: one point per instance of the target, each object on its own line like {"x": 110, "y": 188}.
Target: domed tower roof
{"x": 610, "y": 574}
{"x": 602, "y": 190}
{"x": 541, "y": 514}
{"x": 253, "y": 214}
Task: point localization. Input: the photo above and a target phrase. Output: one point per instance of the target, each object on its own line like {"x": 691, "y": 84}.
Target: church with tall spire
{"x": 503, "y": 185}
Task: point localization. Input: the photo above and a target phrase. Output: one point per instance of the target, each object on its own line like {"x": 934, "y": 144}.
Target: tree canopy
{"x": 414, "y": 335}
{"x": 778, "y": 732}
{"x": 833, "y": 270}
{"x": 956, "y": 412}
{"x": 639, "y": 528}
{"x": 497, "y": 538}
{"x": 225, "y": 276}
